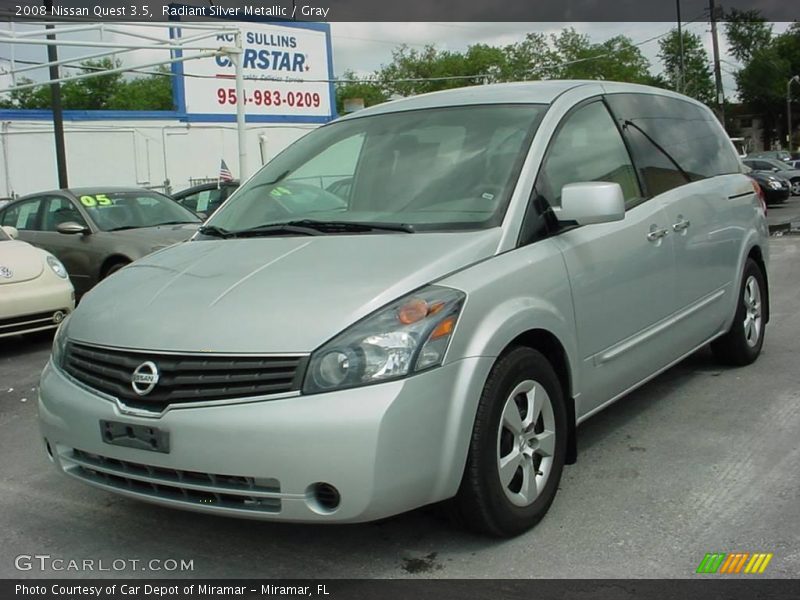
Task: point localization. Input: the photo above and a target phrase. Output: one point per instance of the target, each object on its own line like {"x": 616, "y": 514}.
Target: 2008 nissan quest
{"x": 414, "y": 303}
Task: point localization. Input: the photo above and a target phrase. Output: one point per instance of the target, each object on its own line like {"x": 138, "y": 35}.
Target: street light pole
{"x": 789, "y": 110}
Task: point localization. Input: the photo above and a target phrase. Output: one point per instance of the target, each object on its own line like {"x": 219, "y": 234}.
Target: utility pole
{"x": 712, "y": 8}
{"x": 55, "y": 95}
{"x": 681, "y": 68}
{"x": 789, "y": 111}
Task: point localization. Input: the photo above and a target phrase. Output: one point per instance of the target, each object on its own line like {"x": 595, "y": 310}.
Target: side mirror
{"x": 71, "y": 228}
{"x": 202, "y": 215}
{"x": 774, "y": 169}
{"x": 11, "y": 231}
{"x": 591, "y": 202}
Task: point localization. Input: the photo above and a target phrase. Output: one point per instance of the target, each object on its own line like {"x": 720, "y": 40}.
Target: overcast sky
{"x": 365, "y": 47}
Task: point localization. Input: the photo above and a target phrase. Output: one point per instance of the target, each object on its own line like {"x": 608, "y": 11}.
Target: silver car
{"x": 416, "y": 303}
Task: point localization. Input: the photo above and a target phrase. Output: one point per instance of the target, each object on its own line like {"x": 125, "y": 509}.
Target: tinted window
{"x": 60, "y": 210}
{"x": 587, "y": 147}
{"x": 129, "y": 210}
{"x": 669, "y": 134}
{"x": 23, "y": 215}
{"x": 436, "y": 169}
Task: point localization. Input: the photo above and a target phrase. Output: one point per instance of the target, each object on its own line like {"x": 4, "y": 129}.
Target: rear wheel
{"x": 518, "y": 447}
{"x": 742, "y": 344}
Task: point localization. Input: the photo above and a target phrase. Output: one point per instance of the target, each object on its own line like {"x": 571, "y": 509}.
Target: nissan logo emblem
{"x": 6, "y": 272}
{"x": 144, "y": 378}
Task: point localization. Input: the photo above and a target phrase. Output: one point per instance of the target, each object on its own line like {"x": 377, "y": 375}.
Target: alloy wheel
{"x": 526, "y": 440}
{"x": 752, "y": 319}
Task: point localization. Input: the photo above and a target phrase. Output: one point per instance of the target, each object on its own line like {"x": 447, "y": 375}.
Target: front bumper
{"x": 386, "y": 448}
{"x": 30, "y": 306}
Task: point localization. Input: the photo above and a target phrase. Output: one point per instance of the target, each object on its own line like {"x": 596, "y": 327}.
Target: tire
{"x": 742, "y": 344}
{"x": 796, "y": 187}
{"x": 507, "y": 432}
{"x": 114, "y": 267}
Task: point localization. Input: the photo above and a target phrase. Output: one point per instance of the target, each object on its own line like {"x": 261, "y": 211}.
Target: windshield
{"x": 113, "y": 211}
{"x": 427, "y": 170}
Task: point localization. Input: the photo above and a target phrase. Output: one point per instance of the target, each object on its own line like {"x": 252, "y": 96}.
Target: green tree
{"x": 151, "y": 92}
{"x": 102, "y": 92}
{"x": 371, "y": 91}
{"x": 761, "y": 83}
{"x": 747, "y": 32}
{"x": 697, "y": 80}
{"x": 616, "y": 59}
{"x": 29, "y": 98}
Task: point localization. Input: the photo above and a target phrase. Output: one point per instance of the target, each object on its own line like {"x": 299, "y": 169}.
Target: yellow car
{"x": 35, "y": 291}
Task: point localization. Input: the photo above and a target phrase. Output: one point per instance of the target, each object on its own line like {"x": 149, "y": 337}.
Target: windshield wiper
{"x": 351, "y": 226}
{"x": 214, "y": 231}
{"x": 306, "y": 227}
{"x": 172, "y": 223}
{"x": 275, "y": 229}
{"x": 124, "y": 227}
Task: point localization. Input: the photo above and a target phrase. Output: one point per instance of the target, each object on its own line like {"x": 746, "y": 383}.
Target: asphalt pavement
{"x": 702, "y": 459}
{"x": 785, "y": 216}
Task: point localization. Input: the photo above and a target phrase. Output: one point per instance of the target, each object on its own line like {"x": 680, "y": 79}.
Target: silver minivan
{"x": 416, "y": 303}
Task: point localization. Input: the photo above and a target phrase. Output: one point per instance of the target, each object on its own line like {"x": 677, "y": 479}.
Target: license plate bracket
{"x": 141, "y": 437}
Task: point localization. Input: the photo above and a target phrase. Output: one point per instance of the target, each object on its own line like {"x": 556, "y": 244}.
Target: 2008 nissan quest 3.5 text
{"x": 415, "y": 303}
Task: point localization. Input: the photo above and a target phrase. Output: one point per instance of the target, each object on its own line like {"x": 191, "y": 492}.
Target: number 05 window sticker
{"x": 96, "y": 200}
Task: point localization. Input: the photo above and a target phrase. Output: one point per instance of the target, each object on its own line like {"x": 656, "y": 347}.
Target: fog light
{"x": 323, "y": 497}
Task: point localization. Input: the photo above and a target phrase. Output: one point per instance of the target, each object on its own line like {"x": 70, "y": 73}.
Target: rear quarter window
{"x": 689, "y": 133}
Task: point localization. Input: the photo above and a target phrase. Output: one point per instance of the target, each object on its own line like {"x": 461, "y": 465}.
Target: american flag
{"x": 224, "y": 172}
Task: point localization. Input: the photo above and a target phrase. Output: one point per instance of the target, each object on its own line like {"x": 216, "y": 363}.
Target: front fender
{"x": 512, "y": 294}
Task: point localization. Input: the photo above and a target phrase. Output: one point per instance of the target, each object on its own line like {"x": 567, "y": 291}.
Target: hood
{"x": 22, "y": 260}
{"x": 162, "y": 236}
{"x": 266, "y": 295}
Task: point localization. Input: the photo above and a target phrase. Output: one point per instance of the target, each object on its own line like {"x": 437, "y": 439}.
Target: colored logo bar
{"x": 734, "y": 563}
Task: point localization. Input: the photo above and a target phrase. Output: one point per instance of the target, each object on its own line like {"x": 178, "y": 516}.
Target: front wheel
{"x": 518, "y": 447}
{"x": 742, "y": 344}
{"x": 796, "y": 187}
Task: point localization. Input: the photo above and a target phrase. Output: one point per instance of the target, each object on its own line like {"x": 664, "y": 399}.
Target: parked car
{"x": 776, "y": 190}
{"x": 781, "y": 169}
{"x": 35, "y": 292}
{"x": 782, "y": 155}
{"x": 205, "y": 199}
{"x": 507, "y": 261}
{"x": 97, "y": 231}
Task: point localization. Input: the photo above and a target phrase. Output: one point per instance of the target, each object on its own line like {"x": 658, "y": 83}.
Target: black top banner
{"x": 407, "y": 10}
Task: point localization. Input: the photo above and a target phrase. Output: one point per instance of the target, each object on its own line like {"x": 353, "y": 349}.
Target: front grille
{"x": 34, "y": 321}
{"x": 189, "y": 487}
{"x": 183, "y": 378}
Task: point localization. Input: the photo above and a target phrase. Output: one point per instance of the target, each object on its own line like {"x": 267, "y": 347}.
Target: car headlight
{"x": 60, "y": 343}
{"x": 775, "y": 185}
{"x": 407, "y": 336}
{"x": 57, "y": 267}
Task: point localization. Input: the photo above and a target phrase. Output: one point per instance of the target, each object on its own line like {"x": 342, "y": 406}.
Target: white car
{"x": 35, "y": 292}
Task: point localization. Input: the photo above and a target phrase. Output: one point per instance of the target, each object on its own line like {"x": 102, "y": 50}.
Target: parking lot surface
{"x": 702, "y": 459}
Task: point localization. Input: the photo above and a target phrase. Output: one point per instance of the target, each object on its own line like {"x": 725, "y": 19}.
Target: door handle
{"x": 656, "y": 233}
{"x": 681, "y": 224}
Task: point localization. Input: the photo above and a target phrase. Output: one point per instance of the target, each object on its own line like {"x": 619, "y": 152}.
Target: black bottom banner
{"x": 411, "y": 589}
